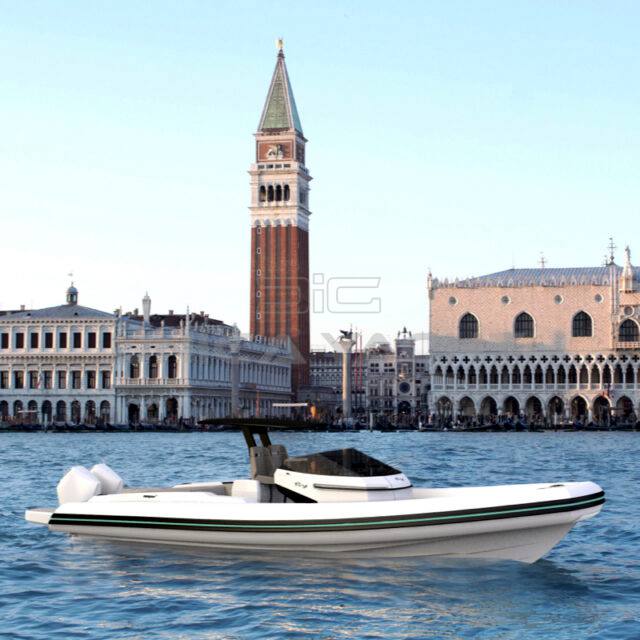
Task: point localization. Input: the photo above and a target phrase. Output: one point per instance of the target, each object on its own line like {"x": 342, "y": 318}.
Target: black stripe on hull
{"x": 349, "y": 524}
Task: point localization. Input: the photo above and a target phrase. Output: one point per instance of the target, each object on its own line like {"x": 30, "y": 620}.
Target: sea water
{"x": 59, "y": 586}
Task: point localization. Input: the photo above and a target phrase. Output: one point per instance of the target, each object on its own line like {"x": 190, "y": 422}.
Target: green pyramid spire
{"x": 280, "y": 111}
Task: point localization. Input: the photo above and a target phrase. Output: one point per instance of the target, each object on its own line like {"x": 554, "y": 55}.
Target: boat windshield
{"x": 340, "y": 462}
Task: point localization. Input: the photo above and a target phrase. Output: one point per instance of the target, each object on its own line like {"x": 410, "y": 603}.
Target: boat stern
{"x": 38, "y": 515}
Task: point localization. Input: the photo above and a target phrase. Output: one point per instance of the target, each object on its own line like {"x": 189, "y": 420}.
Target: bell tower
{"x": 280, "y": 224}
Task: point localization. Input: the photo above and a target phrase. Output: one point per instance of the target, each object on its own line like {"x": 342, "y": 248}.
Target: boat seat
{"x": 171, "y": 496}
{"x": 211, "y": 487}
{"x": 207, "y": 488}
{"x": 265, "y": 460}
{"x": 249, "y": 490}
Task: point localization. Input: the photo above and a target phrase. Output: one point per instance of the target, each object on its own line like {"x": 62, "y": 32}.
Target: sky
{"x": 458, "y": 137}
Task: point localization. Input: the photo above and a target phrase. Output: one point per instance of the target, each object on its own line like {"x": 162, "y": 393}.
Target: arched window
{"x": 270, "y": 193}
{"x": 172, "y": 367}
{"x": 278, "y": 193}
{"x": 617, "y": 375}
{"x": 584, "y": 374}
{"x": 629, "y": 331}
{"x": 47, "y": 411}
{"x": 75, "y": 412}
{"x": 537, "y": 376}
{"x": 468, "y": 326}
{"x": 263, "y": 194}
{"x": 171, "y": 407}
{"x": 152, "y": 412}
{"x": 90, "y": 412}
{"x": 448, "y": 377}
{"x": 287, "y": 193}
{"x": 61, "y": 411}
{"x": 629, "y": 377}
{"x": 582, "y": 326}
{"x": 153, "y": 366}
{"x": 523, "y": 327}
{"x": 105, "y": 411}
{"x": 134, "y": 367}
{"x": 550, "y": 377}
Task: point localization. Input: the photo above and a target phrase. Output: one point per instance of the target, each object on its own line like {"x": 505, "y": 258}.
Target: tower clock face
{"x": 404, "y": 387}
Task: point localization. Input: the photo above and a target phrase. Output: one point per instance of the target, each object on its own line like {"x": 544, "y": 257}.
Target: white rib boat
{"x": 333, "y": 502}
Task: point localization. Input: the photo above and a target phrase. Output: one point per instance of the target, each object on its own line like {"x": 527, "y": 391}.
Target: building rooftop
{"x": 69, "y": 311}
{"x": 540, "y": 277}
{"x": 280, "y": 112}
{"x": 175, "y": 319}
{"x": 61, "y": 312}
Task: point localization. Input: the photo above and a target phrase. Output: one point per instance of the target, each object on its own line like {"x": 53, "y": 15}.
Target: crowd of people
{"x": 534, "y": 421}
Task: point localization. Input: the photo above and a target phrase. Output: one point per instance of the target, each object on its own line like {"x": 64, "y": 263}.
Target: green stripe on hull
{"x": 293, "y": 525}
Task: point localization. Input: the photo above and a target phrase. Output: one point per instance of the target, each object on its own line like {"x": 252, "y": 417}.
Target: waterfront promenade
{"x": 222, "y": 425}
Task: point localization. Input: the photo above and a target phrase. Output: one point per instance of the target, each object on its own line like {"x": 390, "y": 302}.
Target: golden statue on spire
{"x": 280, "y": 44}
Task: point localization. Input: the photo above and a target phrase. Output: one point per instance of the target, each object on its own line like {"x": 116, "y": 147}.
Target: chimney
{"x": 21, "y": 307}
{"x": 170, "y": 312}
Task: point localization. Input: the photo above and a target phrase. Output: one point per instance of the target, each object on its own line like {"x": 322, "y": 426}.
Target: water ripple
{"x": 55, "y": 586}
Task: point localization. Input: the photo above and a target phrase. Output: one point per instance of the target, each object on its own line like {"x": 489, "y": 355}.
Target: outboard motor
{"x": 78, "y": 485}
{"x": 110, "y": 481}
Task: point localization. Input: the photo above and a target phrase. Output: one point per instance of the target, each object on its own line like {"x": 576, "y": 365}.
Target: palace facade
{"x": 73, "y": 364}
{"x": 552, "y": 344}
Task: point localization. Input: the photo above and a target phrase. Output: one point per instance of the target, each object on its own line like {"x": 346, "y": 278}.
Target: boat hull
{"x": 521, "y": 531}
{"x": 526, "y": 544}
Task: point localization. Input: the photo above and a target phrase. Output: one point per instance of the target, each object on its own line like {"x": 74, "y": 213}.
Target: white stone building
{"x": 397, "y": 381}
{"x": 169, "y": 367}
{"x": 552, "y": 344}
{"x": 57, "y": 364}
{"x": 325, "y": 372}
{"x": 384, "y": 381}
{"x": 73, "y": 364}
